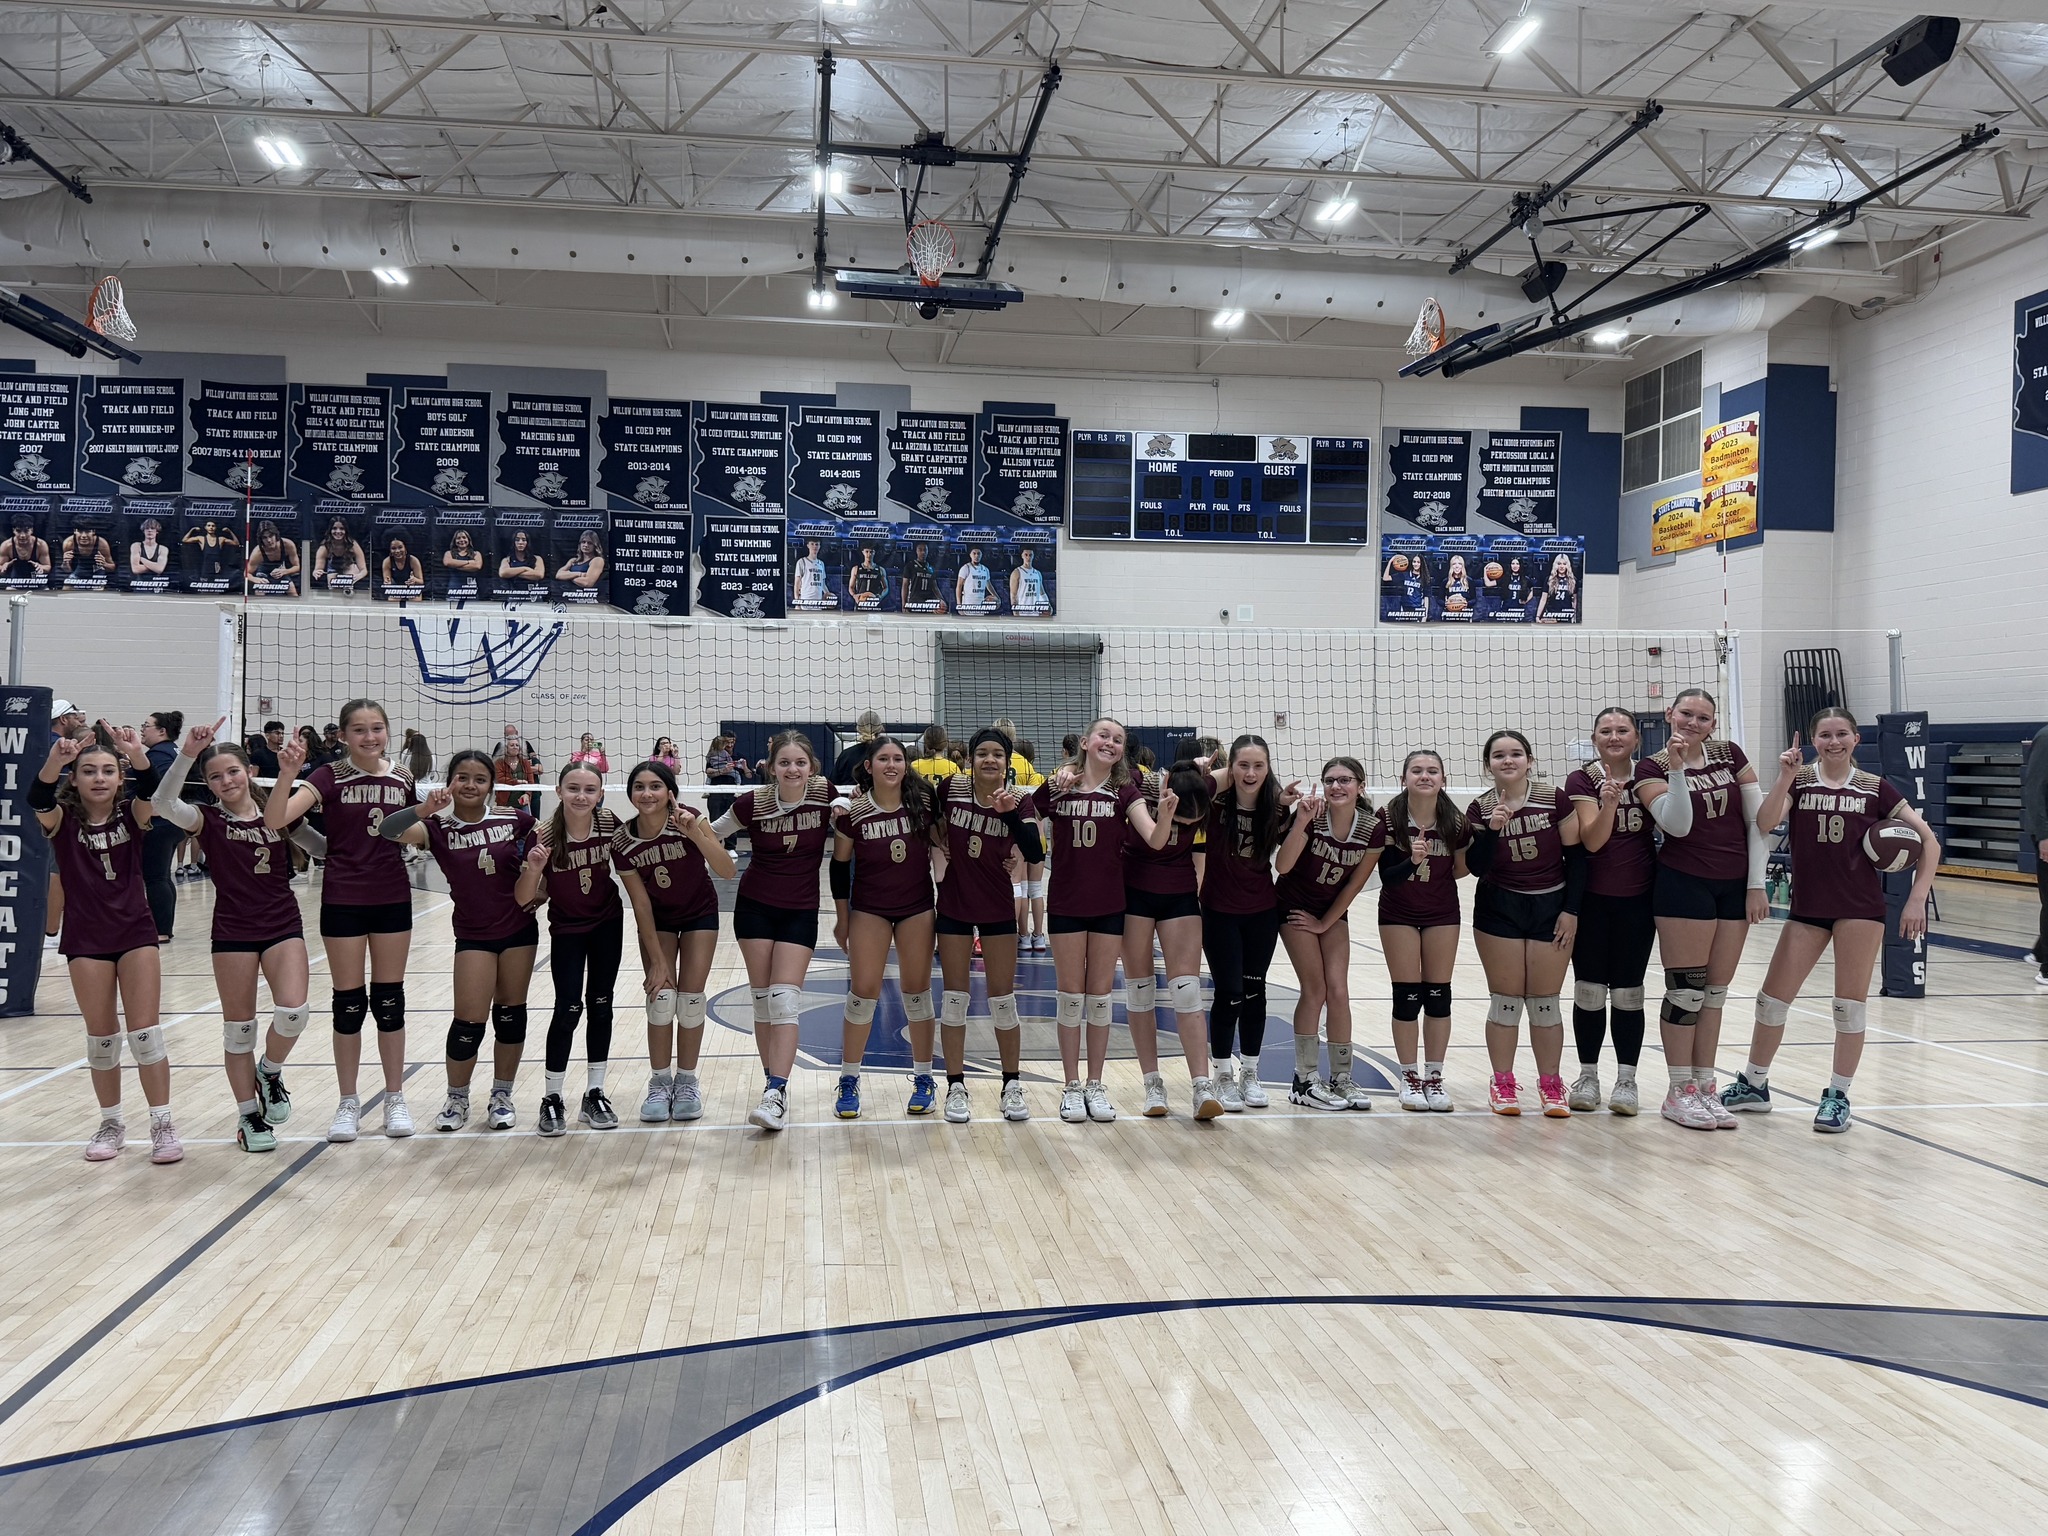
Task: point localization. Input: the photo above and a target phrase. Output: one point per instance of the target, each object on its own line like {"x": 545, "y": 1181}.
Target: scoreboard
{"x": 1221, "y": 487}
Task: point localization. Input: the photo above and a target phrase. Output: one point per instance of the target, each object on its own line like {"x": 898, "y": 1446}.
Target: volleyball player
{"x": 1241, "y": 916}
{"x": 881, "y": 878}
{"x": 936, "y": 767}
{"x": 1710, "y": 889}
{"x": 481, "y": 848}
{"x": 984, "y": 822}
{"x": 1616, "y": 927}
{"x": 1422, "y": 837}
{"x": 1837, "y": 898}
{"x": 1027, "y": 894}
{"x": 788, "y": 825}
{"x": 1323, "y": 862}
{"x": 569, "y": 865}
{"x": 257, "y": 929}
{"x": 109, "y": 939}
{"x": 1532, "y": 878}
{"x": 1162, "y": 896}
{"x": 1089, "y": 803}
{"x": 666, "y": 854}
{"x": 365, "y": 900}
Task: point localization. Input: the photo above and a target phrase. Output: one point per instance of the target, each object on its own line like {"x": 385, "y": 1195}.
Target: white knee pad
{"x": 1505, "y": 1011}
{"x": 953, "y": 1009}
{"x": 1848, "y": 1016}
{"x": 1002, "y": 1011}
{"x": 1771, "y": 1012}
{"x": 1037, "y": 888}
{"x": 1098, "y": 1010}
{"x": 147, "y": 1046}
{"x": 690, "y": 1008}
{"x": 239, "y": 1035}
{"x": 1626, "y": 998}
{"x": 290, "y": 1023}
{"x": 1186, "y": 992}
{"x": 917, "y": 1006}
{"x": 661, "y": 1008}
{"x": 1020, "y": 890}
{"x": 761, "y": 1015}
{"x": 860, "y": 1010}
{"x": 785, "y": 1004}
{"x": 1590, "y": 995}
{"x": 103, "y": 1052}
{"x": 1071, "y": 1007}
{"x": 1544, "y": 1012}
{"x": 1714, "y": 997}
{"x": 1141, "y": 994}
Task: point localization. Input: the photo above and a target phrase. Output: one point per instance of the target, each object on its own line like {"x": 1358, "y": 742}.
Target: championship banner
{"x": 1728, "y": 511}
{"x": 274, "y": 560}
{"x": 1428, "y": 474}
{"x": 1731, "y": 460}
{"x": 516, "y": 565}
{"x": 650, "y": 558}
{"x": 835, "y": 463}
{"x": 1024, "y": 469}
{"x": 460, "y": 542}
{"x": 1675, "y": 524}
{"x": 398, "y": 554}
{"x": 24, "y": 850}
{"x": 134, "y": 437}
{"x": 741, "y": 561}
{"x": 238, "y": 437}
{"x": 38, "y": 433}
{"x": 144, "y": 532}
{"x": 646, "y": 453}
{"x": 921, "y": 551}
{"x": 581, "y": 565}
{"x": 210, "y": 546}
{"x": 817, "y": 566}
{"x": 2030, "y": 393}
{"x": 931, "y": 465}
{"x": 739, "y": 461}
{"x": 337, "y": 550}
{"x": 441, "y": 443}
{"x": 544, "y": 448}
{"x": 1519, "y": 480}
{"x": 340, "y": 442}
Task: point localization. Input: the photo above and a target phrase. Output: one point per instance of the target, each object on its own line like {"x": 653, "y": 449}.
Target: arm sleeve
{"x": 1025, "y": 830}
{"x": 726, "y": 826}
{"x": 145, "y": 779}
{"x": 1576, "y": 868}
{"x": 1759, "y": 850}
{"x": 399, "y": 822}
{"x": 842, "y": 879}
{"x": 1396, "y": 865}
{"x": 42, "y": 794}
{"x": 311, "y": 839}
{"x": 1480, "y": 850}
{"x": 1672, "y": 810}
{"x": 165, "y": 801}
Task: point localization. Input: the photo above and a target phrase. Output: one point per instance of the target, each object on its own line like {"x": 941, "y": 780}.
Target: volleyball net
{"x": 462, "y": 676}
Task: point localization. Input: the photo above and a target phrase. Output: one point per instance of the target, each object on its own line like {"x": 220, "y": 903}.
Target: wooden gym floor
{"x": 1283, "y": 1321}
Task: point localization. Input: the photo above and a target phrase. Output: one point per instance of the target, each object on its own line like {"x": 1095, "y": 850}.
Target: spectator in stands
{"x": 331, "y": 749}
{"x": 309, "y": 737}
{"x": 589, "y": 753}
{"x": 263, "y": 749}
{"x": 514, "y": 739}
{"x": 419, "y": 757}
{"x": 65, "y": 719}
{"x": 160, "y": 843}
{"x": 514, "y": 766}
{"x": 2034, "y": 826}
{"x": 866, "y": 728}
{"x": 664, "y": 752}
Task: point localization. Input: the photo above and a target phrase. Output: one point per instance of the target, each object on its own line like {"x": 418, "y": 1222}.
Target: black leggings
{"x": 1240, "y": 947}
{"x": 584, "y": 965}
{"x": 159, "y": 847}
{"x": 1615, "y": 937}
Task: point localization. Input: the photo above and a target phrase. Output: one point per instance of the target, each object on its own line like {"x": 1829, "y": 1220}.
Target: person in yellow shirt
{"x": 1029, "y": 892}
{"x": 935, "y": 765}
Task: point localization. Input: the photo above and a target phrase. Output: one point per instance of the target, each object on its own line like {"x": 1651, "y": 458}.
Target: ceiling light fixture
{"x": 1613, "y": 336}
{"x": 1817, "y": 239}
{"x": 1228, "y": 319}
{"x": 821, "y": 180}
{"x": 1339, "y": 210}
{"x": 823, "y": 298}
{"x": 1512, "y": 35}
{"x": 281, "y": 153}
{"x": 394, "y": 277}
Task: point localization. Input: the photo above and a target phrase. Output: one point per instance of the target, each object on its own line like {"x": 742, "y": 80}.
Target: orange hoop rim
{"x": 934, "y": 253}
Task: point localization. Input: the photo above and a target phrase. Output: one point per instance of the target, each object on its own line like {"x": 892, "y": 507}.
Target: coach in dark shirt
{"x": 263, "y": 749}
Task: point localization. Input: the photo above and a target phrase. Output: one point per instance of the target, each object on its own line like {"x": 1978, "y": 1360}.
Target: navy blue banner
{"x": 518, "y": 558}
{"x": 836, "y": 463}
{"x": 341, "y": 442}
{"x": 1023, "y": 469}
{"x": 400, "y": 547}
{"x": 2030, "y": 393}
{"x": 38, "y": 433}
{"x": 544, "y": 448}
{"x": 134, "y": 437}
{"x": 1519, "y": 480}
{"x": 460, "y": 552}
{"x": 650, "y": 560}
{"x": 742, "y": 567}
{"x": 442, "y": 440}
{"x": 931, "y": 465}
{"x": 24, "y": 850}
{"x": 739, "y": 458}
{"x": 1428, "y": 475}
{"x": 646, "y": 453}
{"x": 238, "y": 437}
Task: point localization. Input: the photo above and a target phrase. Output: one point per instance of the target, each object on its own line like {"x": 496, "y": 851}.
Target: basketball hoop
{"x": 107, "y": 313}
{"x": 931, "y": 248}
{"x": 1430, "y": 330}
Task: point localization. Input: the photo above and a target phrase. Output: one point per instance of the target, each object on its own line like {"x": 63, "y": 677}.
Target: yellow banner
{"x": 1728, "y": 511}
{"x": 1675, "y": 525}
{"x": 1731, "y": 451}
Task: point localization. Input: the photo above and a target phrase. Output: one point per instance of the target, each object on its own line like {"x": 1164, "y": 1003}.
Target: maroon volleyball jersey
{"x": 250, "y": 866}
{"x": 672, "y": 871}
{"x": 787, "y": 844}
{"x": 581, "y": 893}
{"x": 1087, "y": 846}
{"x": 1626, "y": 864}
{"x": 892, "y": 864}
{"x": 1326, "y": 862}
{"x": 1429, "y": 897}
{"x": 1168, "y": 870}
{"x": 1234, "y": 878}
{"x": 106, "y": 907}
{"x": 1831, "y": 877}
{"x": 481, "y": 859}
{"x": 363, "y": 869}
{"x": 978, "y": 843}
{"x": 1529, "y": 855}
{"x": 1717, "y": 847}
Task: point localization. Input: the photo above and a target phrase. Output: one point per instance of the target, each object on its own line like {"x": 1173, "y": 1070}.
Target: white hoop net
{"x": 1430, "y": 330}
{"x": 930, "y": 246}
{"x": 107, "y": 313}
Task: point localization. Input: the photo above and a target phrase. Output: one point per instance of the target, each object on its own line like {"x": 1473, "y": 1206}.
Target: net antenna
{"x": 107, "y": 311}
{"x": 931, "y": 248}
{"x": 1431, "y": 330}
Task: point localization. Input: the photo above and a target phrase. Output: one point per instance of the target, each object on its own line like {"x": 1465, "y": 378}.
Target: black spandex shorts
{"x": 782, "y": 925}
{"x": 1007, "y": 928}
{"x": 1107, "y": 922}
{"x": 893, "y": 918}
{"x": 117, "y": 956}
{"x": 1530, "y": 915}
{"x": 1829, "y": 922}
{"x": 1679, "y": 894}
{"x": 1616, "y": 934}
{"x": 1159, "y": 906}
{"x": 701, "y": 922}
{"x": 255, "y": 946}
{"x": 526, "y": 938}
{"x": 339, "y": 920}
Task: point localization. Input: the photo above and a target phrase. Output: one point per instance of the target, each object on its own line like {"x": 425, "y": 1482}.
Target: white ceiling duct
{"x": 125, "y": 230}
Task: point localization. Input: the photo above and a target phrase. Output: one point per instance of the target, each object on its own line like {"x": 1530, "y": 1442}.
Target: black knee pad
{"x": 601, "y": 1009}
{"x": 387, "y": 1003}
{"x": 567, "y": 1012}
{"x": 1252, "y": 1002}
{"x": 1685, "y": 993}
{"x": 351, "y": 1007}
{"x": 1408, "y": 1001}
{"x": 465, "y": 1038}
{"x": 1436, "y": 999}
{"x": 508, "y": 1023}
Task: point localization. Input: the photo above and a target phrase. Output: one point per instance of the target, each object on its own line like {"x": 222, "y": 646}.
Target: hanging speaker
{"x": 1540, "y": 279}
{"x": 1921, "y": 48}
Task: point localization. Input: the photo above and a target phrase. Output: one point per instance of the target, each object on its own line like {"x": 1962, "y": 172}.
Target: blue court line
{"x": 1977, "y": 946}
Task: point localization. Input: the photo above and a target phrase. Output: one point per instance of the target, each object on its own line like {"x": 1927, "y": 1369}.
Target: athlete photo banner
{"x": 1518, "y": 473}
{"x": 870, "y": 585}
{"x": 921, "y": 555}
{"x": 931, "y": 465}
{"x": 340, "y": 442}
{"x": 145, "y": 533}
{"x": 400, "y": 547}
{"x": 441, "y": 442}
{"x": 517, "y": 566}
{"x": 38, "y": 434}
{"x": 816, "y": 566}
{"x": 238, "y": 438}
{"x": 1428, "y": 478}
{"x": 337, "y": 550}
{"x": 133, "y": 437}
{"x": 646, "y": 460}
{"x": 1028, "y": 579}
{"x": 458, "y": 554}
{"x": 972, "y": 585}
{"x": 581, "y": 563}
{"x": 84, "y": 544}
{"x": 210, "y": 546}
{"x": 1480, "y": 579}
{"x": 740, "y": 567}
{"x": 544, "y": 448}
{"x": 274, "y": 562}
